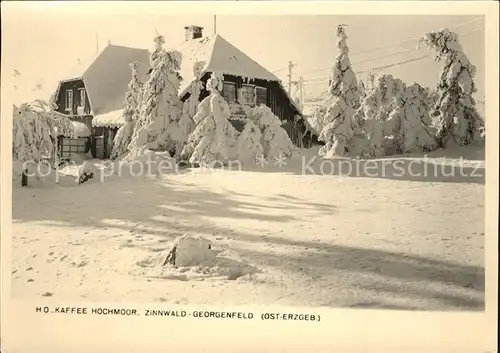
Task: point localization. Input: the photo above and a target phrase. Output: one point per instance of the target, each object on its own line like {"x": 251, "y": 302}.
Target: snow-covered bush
{"x": 213, "y": 139}
{"x": 338, "y": 123}
{"x": 249, "y": 143}
{"x": 458, "y": 120}
{"x": 409, "y": 122}
{"x": 275, "y": 141}
{"x": 130, "y": 114}
{"x": 394, "y": 118}
{"x": 373, "y": 115}
{"x": 34, "y": 136}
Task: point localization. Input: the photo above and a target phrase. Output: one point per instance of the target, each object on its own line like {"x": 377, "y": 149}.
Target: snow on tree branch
{"x": 458, "y": 120}
{"x": 160, "y": 107}
{"x": 35, "y": 130}
{"x": 338, "y": 125}
{"x": 130, "y": 113}
{"x": 214, "y": 138}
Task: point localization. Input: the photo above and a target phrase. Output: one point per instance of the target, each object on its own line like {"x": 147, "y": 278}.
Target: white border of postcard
{"x": 23, "y": 330}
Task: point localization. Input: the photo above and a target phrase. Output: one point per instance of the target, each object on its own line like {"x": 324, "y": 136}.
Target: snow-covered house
{"x": 96, "y": 95}
{"x": 246, "y": 82}
{"x": 95, "y": 89}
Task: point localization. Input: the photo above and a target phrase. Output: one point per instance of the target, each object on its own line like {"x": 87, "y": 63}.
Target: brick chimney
{"x": 193, "y": 32}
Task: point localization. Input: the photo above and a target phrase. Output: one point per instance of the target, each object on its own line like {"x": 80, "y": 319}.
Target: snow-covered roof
{"x": 107, "y": 76}
{"x": 80, "y": 129}
{"x": 110, "y": 119}
{"x": 218, "y": 55}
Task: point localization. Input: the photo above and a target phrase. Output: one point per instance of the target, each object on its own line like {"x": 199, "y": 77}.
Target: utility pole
{"x": 290, "y": 67}
{"x": 301, "y": 90}
{"x": 215, "y": 24}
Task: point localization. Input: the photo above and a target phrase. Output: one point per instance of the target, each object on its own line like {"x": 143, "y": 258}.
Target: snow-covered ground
{"x": 368, "y": 238}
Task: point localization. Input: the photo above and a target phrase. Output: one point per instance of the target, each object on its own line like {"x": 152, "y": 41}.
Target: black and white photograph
{"x": 323, "y": 161}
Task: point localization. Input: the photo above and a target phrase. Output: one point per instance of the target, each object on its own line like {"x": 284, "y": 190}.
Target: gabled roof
{"x": 215, "y": 54}
{"x": 106, "y": 78}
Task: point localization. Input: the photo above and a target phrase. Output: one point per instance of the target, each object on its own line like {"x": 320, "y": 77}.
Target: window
{"x": 247, "y": 95}
{"x": 69, "y": 146}
{"x": 261, "y": 93}
{"x": 81, "y": 93}
{"x": 229, "y": 92}
{"x": 69, "y": 99}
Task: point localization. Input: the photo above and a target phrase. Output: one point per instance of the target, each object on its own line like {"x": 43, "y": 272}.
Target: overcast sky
{"x": 43, "y": 43}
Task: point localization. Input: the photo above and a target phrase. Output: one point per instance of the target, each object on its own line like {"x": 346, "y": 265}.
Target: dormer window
{"x": 81, "y": 94}
{"x": 69, "y": 99}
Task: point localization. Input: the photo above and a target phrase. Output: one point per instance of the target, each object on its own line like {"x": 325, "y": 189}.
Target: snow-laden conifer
{"x": 130, "y": 114}
{"x": 213, "y": 140}
{"x": 458, "y": 120}
{"x": 338, "y": 121}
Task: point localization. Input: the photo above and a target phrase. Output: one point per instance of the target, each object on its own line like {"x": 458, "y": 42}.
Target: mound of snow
{"x": 193, "y": 258}
{"x": 190, "y": 250}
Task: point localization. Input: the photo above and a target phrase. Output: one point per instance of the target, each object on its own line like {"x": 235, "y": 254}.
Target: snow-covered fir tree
{"x": 459, "y": 122}
{"x": 152, "y": 105}
{"x": 176, "y": 125}
{"x": 275, "y": 141}
{"x": 338, "y": 120}
{"x": 35, "y": 130}
{"x": 130, "y": 114}
{"x": 179, "y": 129}
{"x": 191, "y": 103}
{"x": 160, "y": 104}
{"x": 213, "y": 140}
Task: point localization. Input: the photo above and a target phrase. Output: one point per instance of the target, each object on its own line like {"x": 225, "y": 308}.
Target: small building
{"x": 96, "y": 96}
{"x": 96, "y": 90}
{"x": 246, "y": 82}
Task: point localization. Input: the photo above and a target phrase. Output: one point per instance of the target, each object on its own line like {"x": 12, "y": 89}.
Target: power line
{"x": 367, "y": 60}
{"x": 411, "y": 39}
{"x": 396, "y": 64}
{"x": 385, "y": 56}
{"x": 395, "y": 44}
{"x": 322, "y": 79}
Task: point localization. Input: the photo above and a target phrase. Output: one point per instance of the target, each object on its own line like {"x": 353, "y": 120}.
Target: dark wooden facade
{"x": 102, "y": 141}
{"x": 277, "y": 100}
{"x": 73, "y": 114}
{"x": 74, "y": 86}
